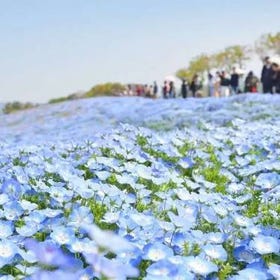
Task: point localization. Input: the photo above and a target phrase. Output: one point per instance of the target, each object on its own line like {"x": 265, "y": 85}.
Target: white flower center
{"x": 5, "y": 251}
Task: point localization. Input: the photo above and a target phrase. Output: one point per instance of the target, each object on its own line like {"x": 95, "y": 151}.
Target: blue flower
{"x": 12, "y": 210}
{"x": 12, "y": 188}
{"x": 250, "y": 273}
{"x": 265, "y": 244}
{"x": 157, "y": 251}
{"x": 108, "y": 239}
{"x": 215, "y": 252}
{"x": 268, "y": 180}
{"x": 111, "y": 269}
{"x": 7, "y": 252}
{"x": 162, "y": 268}
{"x": 216, "y": 237}
{"x": 244, "y": 254}
{"x": 49, "y": 253}
{"x": 274, "y": 270}
{"x": 80, "y": 216}
{"x": 63, "y": 235}
{"x": 200, "y": 266}
{"x": 28, "y": 229}
{"x": 6, "y": 229}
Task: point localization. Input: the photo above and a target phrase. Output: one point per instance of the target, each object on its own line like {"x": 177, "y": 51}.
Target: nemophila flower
{"x": 102, "y": 175}
{"x": 63, "y": 235}
{"x": 209, "y": 214}
{"x": 250, "y": 273}
{"x": 49, "y": 253}
{"x": 126, "y": 179}
{"x": 6, "y": 229}
{"x": 12, "y": 188}
{"x": 111, "y": 269}
{"x": 274, "y": 270}
{"x": 142, "y": 219}
{"x": 133, "y": 258}
{"x": 51, "y": 275}
{"x": 80, "y": 216}
{"x": 254, "y": 230}
{"x": 268, "y": 180}
{"x": 242, "y": 149}
{"x": 85, "y": 274}
{"x": 4, "y": 198}
{"x": 186, "y": 162}
{"x": 7, "y": 277}
{"x": 235, "y": 188}
{"x": 27, "y": 205}
{"x": 265, "y": 244}
{"x": 220, "y": 209}
{"x": 244, "y": 254}
{"x": 157, "y": 251}
{"x": 7, "y": 252}
{"x": 243, "y": 198}
{"x": 12, "y": 210}
{"x": 200, "y": 266}
{"x": 35, "y": 216}
{"x": 108, "y": 239}
{"x": 28, "y": 229}
{"x": 111, "y": 217}
{"x": 215, "y": 252}
{"x": 61, "y": 194}
{"x": 162, "y": 268}
{"x": 84, "y": 245}
{"x": 179, "y": 221}
{"x": 242, "y": 221}
{"x": 167, "y": 226}
{"x": 51, "y": 213}
{"x": 27, "y": 256}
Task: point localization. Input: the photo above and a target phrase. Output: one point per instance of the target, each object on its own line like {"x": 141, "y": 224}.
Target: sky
{"x": 53, "y": 48}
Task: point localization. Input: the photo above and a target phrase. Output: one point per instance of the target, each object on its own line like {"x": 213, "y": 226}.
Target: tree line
{"x": 233, "y": 55}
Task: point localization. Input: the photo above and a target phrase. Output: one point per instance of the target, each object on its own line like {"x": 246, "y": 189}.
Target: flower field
{"x": 132, "y": 188}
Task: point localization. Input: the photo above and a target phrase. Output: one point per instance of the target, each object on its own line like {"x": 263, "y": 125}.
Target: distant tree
{"x": 107, "y": 89}
{"x": 268, "y": 43}
{"x": 17, "y": 106}
{"x": 184, "y": 74}
{"x": 198, "y": 65}
{"x": 231, "y": 55}
{"x": 238, "y": 54}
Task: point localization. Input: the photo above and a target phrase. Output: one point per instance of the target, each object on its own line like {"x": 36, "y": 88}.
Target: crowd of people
{"x": 222, "y": 84}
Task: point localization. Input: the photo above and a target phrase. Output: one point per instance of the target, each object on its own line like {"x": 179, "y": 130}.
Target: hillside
{"x": 79, "y": 120}
{"x": 193, "y": 193}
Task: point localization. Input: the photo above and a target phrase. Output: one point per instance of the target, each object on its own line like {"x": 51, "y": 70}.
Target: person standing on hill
{"x": 211, "y": 85}
{"x": 171, "y": 92}
{"x": 155, "y": 89}
{"x": 276, "y": 76}
{"x": 195, "y": 85}
{"x": 165, "y": 89}
{"x": 234, "y": 81}
{"x": 184, "y": 89}
{"x": 225, "y": 83}
{"x": 267, "y": 76}
{"x": 217, "y": 84}
{"x": 251, "y": 83}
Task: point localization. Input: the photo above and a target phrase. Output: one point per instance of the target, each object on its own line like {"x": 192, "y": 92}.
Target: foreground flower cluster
{"x": 197, "y": 199}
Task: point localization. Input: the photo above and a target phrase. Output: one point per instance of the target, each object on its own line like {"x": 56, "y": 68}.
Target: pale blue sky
{"x": 51, "y": 48}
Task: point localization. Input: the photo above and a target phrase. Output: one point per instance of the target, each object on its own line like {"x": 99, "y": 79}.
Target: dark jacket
{"x": 251, "y": 83}
{"x": 195, "y": 86}
{"x": 267, "y": 76}
{"x": 234, "y": 80}
{"x": 225, "y": 82}
{"x": 276, "y": 81}
{"x": 184, "y": 89}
